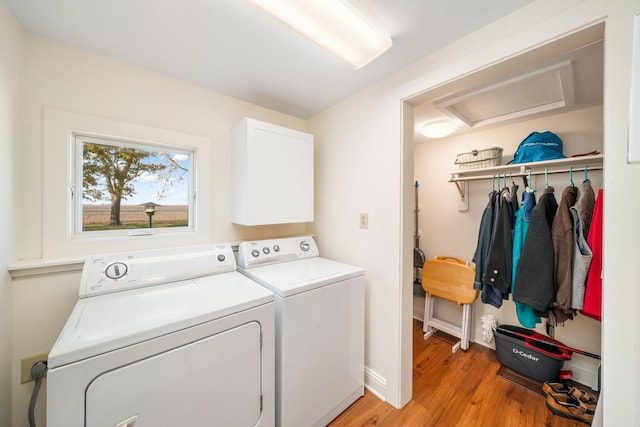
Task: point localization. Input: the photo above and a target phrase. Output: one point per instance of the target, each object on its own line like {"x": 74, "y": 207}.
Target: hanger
{"x": 526, "y": 179}
{"x": 493, "y": 183}
{"x": 546, "y": 178}
{"x": 514, "y": 186}
{"x": 586, "y": 177}
{"x": 571, "y": 176}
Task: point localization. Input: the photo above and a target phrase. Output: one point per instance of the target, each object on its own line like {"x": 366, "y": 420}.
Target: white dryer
{"x": 319, "y": 327}
{"x": 172, "y": 337}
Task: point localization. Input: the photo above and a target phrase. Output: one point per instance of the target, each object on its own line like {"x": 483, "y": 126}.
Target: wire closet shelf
{"x": 569, "y": 164}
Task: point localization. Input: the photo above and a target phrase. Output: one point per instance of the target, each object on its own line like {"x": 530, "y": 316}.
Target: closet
{"x": 452, "y": 199}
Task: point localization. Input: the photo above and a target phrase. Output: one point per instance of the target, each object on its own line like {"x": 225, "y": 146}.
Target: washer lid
{"x": 108, "y": 322}
{"x": 293, "y": 277}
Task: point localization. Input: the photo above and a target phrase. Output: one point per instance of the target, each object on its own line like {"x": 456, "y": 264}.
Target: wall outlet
{"x": 27, "y": 363}
{"x": 364, "y": 220}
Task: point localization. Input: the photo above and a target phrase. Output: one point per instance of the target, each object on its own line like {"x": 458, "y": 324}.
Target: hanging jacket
{"x": 485, "y": 233}
{"x": 490, "y": 294}
{"x": 534, "y": 281}
{"x": 581, "y": 212}
{"x": 593, "y": 292}
{"x": 562, "y": 236}
{"x": 499, "y": 266}
{"x": 515, "y": 205}
{"x": 526, "y": 314}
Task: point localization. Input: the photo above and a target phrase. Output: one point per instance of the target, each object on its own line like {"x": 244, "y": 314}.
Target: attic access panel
{"x": 542, "y": 90}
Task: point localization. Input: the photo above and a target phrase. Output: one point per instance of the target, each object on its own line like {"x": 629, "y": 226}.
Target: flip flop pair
{"x": 570, "y": 402}
{"x": 568, "y": 406}
{"x": 587, "y": 398}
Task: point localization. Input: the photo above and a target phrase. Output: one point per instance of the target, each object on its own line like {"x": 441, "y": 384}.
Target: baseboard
{"x": 477, "y": 338}
{"x": 375, "y": 383}
{"x": 582, "y": 374}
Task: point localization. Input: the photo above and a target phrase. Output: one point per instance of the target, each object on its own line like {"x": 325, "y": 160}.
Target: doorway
{"x": 452, "y": 230}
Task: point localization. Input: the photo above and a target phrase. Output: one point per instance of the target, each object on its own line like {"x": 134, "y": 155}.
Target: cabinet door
{"x": 273, "y": 180}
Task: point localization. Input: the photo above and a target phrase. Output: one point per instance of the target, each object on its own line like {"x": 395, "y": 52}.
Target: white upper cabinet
{"x": 272, "y": 174}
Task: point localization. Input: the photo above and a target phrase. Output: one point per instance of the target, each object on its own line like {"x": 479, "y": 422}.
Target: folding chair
{"x": 449, "y": 278}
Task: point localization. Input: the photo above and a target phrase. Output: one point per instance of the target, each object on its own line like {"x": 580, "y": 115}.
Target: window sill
{"x": 45, "y": 266}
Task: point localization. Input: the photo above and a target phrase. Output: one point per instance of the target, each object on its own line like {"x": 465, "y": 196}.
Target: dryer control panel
{"x": 262, "y": 252}
{"x": 103, "y": 274}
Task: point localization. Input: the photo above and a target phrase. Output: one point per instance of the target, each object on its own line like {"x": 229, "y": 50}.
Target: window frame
{"x": 78, "y": 139}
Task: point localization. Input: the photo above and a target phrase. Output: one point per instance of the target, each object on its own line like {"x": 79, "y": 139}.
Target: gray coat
{"x": 582, "y": 211}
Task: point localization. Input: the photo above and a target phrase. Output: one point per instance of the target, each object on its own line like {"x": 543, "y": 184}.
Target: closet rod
{"x": 517, "y": 174}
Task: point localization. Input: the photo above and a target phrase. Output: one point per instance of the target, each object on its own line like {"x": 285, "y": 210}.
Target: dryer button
{"x": 116, "y": 270}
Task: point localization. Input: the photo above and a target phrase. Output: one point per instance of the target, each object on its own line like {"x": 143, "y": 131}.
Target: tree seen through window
{"x": 119, "y": 179}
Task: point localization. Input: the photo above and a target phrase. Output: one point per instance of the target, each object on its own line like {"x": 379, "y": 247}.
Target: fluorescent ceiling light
{"x": 335, "y": 25}
{"x": 438, "y": 128}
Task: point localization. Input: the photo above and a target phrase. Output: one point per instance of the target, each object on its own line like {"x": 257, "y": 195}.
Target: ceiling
{"x": 231, "y": 47}
{"x": 563, "y": 75}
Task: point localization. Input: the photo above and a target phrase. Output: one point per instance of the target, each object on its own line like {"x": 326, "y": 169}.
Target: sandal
{"x": 556, "y": 388}
{"x": 568, "y": 406}
{"x": 589, "y": 400}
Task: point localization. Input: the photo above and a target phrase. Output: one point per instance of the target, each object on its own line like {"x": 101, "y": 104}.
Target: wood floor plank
{"x": 455, "y": 390}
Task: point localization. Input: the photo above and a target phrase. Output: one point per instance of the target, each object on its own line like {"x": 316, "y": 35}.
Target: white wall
{"x": 446, "y": 231}
{"x": 11, "y": 42}
{"x": 65, "y": 78}
{"x": 364, "y": 132}
{"x": 358, "y": 171}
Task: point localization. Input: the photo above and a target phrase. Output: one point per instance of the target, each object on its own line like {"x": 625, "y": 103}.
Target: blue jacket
{"x": 526, "y": 314}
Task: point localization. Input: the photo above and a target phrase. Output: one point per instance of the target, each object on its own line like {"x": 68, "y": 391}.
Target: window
{"x": 64, "y": 233}
{"x": 121, "y": 186}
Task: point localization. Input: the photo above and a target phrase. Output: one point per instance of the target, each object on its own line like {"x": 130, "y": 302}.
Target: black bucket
{"x": 530, "y": 353}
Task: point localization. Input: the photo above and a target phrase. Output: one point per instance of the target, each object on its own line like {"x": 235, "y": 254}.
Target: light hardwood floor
{"x": 455, "y": 390}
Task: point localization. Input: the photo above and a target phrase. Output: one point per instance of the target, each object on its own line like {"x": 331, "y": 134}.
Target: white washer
{"x": 319, "y": 328}
{"x": 171, "y": 337}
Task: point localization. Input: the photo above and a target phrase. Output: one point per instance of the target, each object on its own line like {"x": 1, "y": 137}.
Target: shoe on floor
{"x": 588, "y": 399}
{"x": 548, "y": 387}
{"x": 568, "y": 406}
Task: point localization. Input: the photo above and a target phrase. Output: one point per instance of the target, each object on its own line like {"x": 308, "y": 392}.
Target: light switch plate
{"x": 364, "y": 220}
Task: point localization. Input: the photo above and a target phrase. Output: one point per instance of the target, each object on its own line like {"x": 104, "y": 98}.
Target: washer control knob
{"x": 304, "y": 245}
{"x": 276, "y": 248}
{"x": 116, "y": 270}
{"x": 221, "y": 257}
{"x": 266, "y": 250}
{"x": 255, "y": 253}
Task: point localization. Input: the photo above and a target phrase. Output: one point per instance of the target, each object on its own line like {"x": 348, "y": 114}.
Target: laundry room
{"x": 368, "y": 155}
